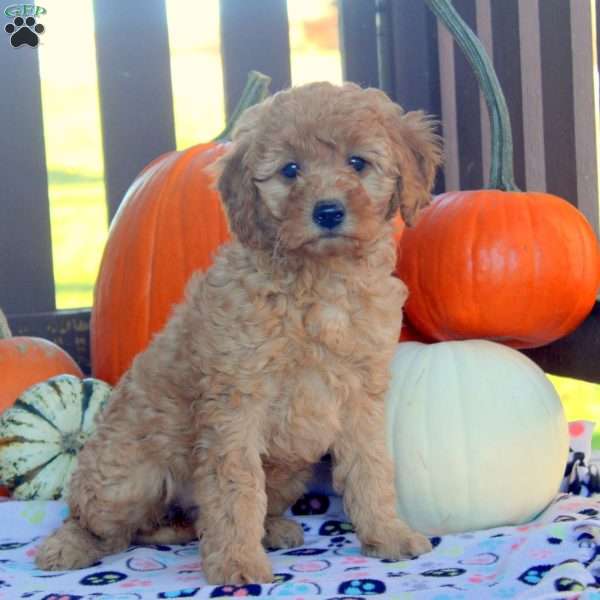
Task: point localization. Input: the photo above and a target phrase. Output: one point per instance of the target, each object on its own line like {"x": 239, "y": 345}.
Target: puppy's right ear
{"x": 238, "y": 192}
{"x": 417, "y": 152}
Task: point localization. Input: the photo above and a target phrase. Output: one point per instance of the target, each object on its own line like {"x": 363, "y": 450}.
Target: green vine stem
{"x": 501, "y": 169}
{"x": 5, "y": 332}
{"x": 255, "y": 91}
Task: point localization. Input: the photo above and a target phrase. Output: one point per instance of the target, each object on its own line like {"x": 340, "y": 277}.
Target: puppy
{"x": 278, "y": 354}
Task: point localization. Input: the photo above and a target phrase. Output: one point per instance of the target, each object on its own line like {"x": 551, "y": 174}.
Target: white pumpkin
{"x": 42, "y": 433}
{"x": 477, "y": 433}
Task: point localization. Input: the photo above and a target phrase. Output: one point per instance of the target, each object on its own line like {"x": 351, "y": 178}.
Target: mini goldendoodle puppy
{"x": 278, "y": 354}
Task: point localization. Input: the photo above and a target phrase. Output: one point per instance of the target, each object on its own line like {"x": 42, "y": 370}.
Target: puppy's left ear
{"x": 418, "y": 154}
{"x": 245, "y": 212}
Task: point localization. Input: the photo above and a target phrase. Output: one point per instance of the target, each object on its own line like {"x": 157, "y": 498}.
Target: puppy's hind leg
{"x": 112, "y": 495}
{"x": 104, "y": 517}
{"x": 284, "y": 485}
{"x": 74, "y": 547}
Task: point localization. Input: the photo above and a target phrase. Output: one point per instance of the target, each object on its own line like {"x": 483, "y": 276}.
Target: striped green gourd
{"x": 42, "y": 433}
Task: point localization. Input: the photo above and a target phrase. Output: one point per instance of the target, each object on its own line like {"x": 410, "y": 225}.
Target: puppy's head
{"x": 321, "y": 168}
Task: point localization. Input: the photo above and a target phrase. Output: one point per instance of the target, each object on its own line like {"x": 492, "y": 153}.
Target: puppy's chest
{"x": 328, "y": 354}
{"x": 342, "y": 328}
{"x": 305, "y": 416}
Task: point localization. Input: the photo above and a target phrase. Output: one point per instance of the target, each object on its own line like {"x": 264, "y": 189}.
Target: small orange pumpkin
{"x": 522, "y": 268}
{"x": 169, "y": 225}
{"x": 25, "y": 361}
{"x": 514, "y": 267}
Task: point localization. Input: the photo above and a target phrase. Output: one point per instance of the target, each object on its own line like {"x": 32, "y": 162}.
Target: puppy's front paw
{"x": 282, "y": 533}
{"x": 398, "y": 542}
{"x": 229, "y": 568}
{"x": 59, "y": 554}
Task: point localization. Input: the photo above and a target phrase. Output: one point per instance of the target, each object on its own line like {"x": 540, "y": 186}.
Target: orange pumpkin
{"x": 25, "y": 361}
{"x": 169, "y": 225}
{"x": 519, "y": 268}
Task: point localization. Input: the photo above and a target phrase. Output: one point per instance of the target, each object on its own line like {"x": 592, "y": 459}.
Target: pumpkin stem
{"x": 255, "y": 91}
{"x": 501, "y": 170}
{"x": 5, "y": 331}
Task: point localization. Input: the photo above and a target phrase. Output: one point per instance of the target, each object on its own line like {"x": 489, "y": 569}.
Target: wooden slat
{"x": 533, "y": 108}
{"x": 585, "y": 96}
{"x": 449, "y": 125}
{"x": 26, "y": 276}
{"x": 134, "y": 78}
{"x": 384, "y": 36}
{"x": 416, "y": 61}
{"x": 468, "y": 108}
{"x": 358, "y": 42}
{"x": 557, "y": 94}
{"x": 507, "y": 64}
{"x": 69, "y": 329}
{"x": 254, "y": 36}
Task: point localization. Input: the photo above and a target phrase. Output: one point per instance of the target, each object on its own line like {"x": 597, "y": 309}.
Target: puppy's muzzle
{"x": 329, "y": 214}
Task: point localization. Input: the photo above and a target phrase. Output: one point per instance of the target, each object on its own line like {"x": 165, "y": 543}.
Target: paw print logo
{"x": 534, "y": 575}
{"x": 331, "y": 528}
{"x": 305, "y": 552}
{"x": 311, "y": 504}
{"x": 342, "y": 546}
{"x": 24, "y": 31}
{"x": 566, "y": 584}
{"x": 362, "y": 587}
{"x": 338, "y": 542}
{"x": 183, "y": 593}
{"x": 294, "y": 588}
{"x": 103, "y": 578}
{"x": 236, "y": 590}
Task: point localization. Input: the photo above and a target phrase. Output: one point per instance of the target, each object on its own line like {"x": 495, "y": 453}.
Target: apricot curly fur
{"x": 278, "y": 354}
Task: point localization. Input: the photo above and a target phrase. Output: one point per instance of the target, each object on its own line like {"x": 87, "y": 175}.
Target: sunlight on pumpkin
{"x": 581, "y": 400}
{"x": 73, "y": 146}
{"x": 314, "y": 45}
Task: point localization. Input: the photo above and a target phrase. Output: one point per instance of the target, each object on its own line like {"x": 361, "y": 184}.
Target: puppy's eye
{"x": 291, "y": 170}
{"x": 357, "y": 163}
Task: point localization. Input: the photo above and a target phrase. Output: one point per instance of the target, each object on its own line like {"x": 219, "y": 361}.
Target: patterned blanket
{"x": 555, "y": 556}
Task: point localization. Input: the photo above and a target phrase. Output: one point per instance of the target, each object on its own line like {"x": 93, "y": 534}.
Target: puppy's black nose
{"x": 328, "y": 214}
